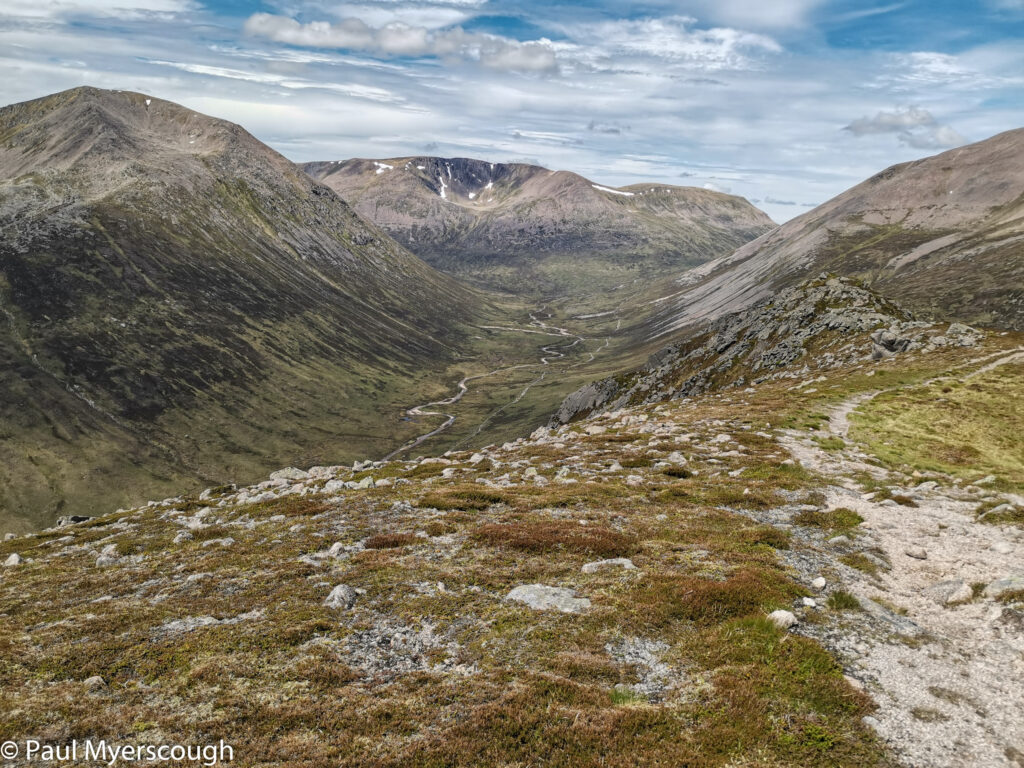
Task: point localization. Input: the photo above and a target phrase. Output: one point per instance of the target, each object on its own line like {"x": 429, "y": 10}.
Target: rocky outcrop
{"x": 823, "y": 323}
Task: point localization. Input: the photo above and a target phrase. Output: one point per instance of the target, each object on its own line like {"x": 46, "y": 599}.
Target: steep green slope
{"x": 181, "y": 302}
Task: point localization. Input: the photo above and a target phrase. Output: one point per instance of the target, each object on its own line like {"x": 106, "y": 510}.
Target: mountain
{"x": 180, "y": 302}
{"x": 943, "y": 235}
{"x": 522, "y": 227}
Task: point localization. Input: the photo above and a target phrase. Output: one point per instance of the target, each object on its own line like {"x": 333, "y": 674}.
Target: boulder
{"x": 600, "y": 565}
{"x": 1005, "y": 586}
{"x": 12, "y": 560}
{"x": 952, "y": 592}
{"x": 541, "y": 598}
{"x": 289, "y": 473}
{"x": 342, "y": 596}
{"x": 782, "y": 619}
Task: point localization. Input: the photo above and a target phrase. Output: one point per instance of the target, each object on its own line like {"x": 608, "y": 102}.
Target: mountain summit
{"x": 499, "y": 223}
{"x": 181, "y": 301}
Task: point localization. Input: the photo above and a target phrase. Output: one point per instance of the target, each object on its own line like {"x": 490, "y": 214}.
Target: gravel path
{"x": 947, "y": 674}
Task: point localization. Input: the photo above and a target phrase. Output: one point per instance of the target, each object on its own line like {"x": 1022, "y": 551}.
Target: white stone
{"x": 620, "y": 562}
{"x": 289, "y": 473}
{"x": 782, "y": 619}
{"x": 918, "y": 553}
{"x": 541, "y": 598}
{"x": 12, "y": 560}
{"x": 819, "y": 583}
{"x": 342, "y": 596}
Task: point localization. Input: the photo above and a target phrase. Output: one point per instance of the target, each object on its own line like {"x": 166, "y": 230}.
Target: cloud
{"x": 617, "y": 45}
{"x": 400, "y": 39}
{"x": 775, "y": 201}
{"x": 937, "y": 137}
{"x": 891, "y": 122}
{"x": 904, "y": 123}
{"x": 44, "y": 9}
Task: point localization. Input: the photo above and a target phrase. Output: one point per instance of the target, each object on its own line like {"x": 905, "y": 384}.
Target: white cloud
{"x": 49, "y": 9}
{"x": 624, "y": 44}
{"x": 400, "y": 39}
{"x": 890, "y": 122}
{"x": 937, "y": 137}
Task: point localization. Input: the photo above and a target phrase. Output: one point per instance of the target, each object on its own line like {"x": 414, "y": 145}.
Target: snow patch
{"x": 381, "y": 167}
{"x": 421, "y": 167}
{"x": 148, "y": 102}
{"x": 472, "y": 195}
{"x": 613, "y": 191}
{"x": 490, "y": 184}
{"x": 444, "y": 188}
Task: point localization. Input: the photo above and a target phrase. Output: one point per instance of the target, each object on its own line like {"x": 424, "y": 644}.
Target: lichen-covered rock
{"x": 542, "y": 598}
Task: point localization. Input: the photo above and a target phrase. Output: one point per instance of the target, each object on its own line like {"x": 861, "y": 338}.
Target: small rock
{"x": 810, "y": 602}
{"x": 334, "y": 486}
{"x": 634, "y": 480}
{"x": 621, "y": 562}
{"x": 289, "y": 473}
{"x": 595, "y": 429}
{"x": 838, "y": 541}
{"x": 9, "y": 536}
{"x": 987, "y": 480}
{"x": 108, "y": 556}
{"x": 1002, "y": 547}
{"x": 541, "y": 597}
{"x": 95, "y": 683}
{"x": 342, "y": 596}
{"x": 530, "y": 472}
{"x": 1001, "y": 587}
{"x": 476, "y": 458}
{"x": 819, "y": 583}
{"x": 336, "y": 549}
{"x": 782, "y": 619}
{"x": 183, "y": 536}
{"x": 952, "y": 592}
{"x": 12, "y": 560}
{"x": 918, "y": 553}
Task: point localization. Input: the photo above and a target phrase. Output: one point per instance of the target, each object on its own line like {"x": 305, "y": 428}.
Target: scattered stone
{"x": 1005, "y": 586}
{"x": 227, "y": 541}
{"x": 810, "y": 602}
{"x": 839, "y": 541}
{"x": 108, "y": 556}
{"x": 12, "y": 560}
{"x": 342, "y": 596}
{"x": 987, "y": 480}
{"x": 634, "y": 480}
{"x": 918, "y": 553}
{"x": 541, "y": 598}
{"x": 183, "y": 536}
{"x": 95, "y": 683}
{"x": 595, "y": 429}
{"x": 819, "y": 583}
{"x": 598, "y": 565}
{"x": 289, "y": 473}
{"x": 952, "y": 592}
{"x": 9, "y": 536}
{"x": 1002, "y": 548}
{"x": 782, "y": 619}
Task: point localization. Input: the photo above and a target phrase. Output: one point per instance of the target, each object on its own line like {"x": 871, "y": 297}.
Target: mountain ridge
{"x": 476, "y": 219}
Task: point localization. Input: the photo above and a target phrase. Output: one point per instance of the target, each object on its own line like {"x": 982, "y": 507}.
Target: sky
{"x": 785, "y": 102}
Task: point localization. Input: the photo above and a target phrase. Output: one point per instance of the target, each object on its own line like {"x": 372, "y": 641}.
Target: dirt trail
{"x": 948, "y": 677}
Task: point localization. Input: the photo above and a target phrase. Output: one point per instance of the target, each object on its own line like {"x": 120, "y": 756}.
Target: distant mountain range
{"x": 516, "y": 226}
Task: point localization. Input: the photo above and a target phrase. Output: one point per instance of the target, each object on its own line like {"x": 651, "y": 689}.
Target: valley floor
{"x": 808, "y": 573}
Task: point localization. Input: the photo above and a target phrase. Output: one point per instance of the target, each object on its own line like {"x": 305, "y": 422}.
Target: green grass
{"x": 841, "y": 600}
{"x": 966, "y": 429}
